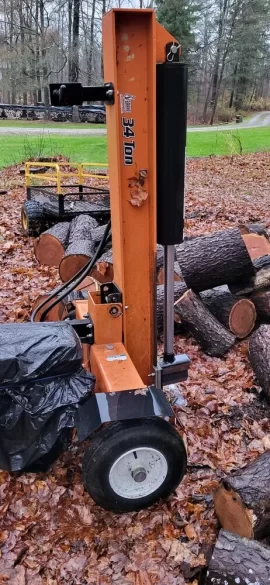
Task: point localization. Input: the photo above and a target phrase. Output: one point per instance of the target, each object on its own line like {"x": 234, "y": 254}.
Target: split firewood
{"x": 254, "y": 228}
{"x": 238, "y": 561}
{"x": 236, "y": 314}
{"x": 179, "y": 289}
{"x": 242, "y": 500}
{"x": 214, "y": 260}
{"x": 49, "y": 247}
{"x": 256, "y": 245}
{"x": 259, "y": 356}
{"x": 260, "y": 280}
{"x": 214, "y": 339}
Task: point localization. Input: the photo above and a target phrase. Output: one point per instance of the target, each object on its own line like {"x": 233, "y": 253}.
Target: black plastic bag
{"x": 37, "y": 350}
{"x": 42, "y": 383}
{"x": 33, "y": 416}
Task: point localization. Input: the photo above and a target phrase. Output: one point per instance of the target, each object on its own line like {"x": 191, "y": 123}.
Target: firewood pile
{"x": 222, "y": 280}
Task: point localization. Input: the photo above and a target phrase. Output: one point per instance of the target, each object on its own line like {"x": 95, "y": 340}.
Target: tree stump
{"x": 236, "y": 314}
{"x": 214, "y": 339}
{"x": 214, "y": 260}
{"x": 238, "y": 561}
{"x": 256, "y": 245}
{"x": 49, "y": 247}
{"x": 242, "y": 500}
{"x": 179, "y": 289}
{"x": 259, "y": 356}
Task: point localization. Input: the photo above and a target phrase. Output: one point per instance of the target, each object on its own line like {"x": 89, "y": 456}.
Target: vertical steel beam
{"x": 129, "y": 45}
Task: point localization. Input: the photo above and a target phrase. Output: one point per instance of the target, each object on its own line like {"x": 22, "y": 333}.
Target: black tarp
{"x": 42, "y": 383}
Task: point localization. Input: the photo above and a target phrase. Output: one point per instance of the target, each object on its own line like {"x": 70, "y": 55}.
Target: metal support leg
{"x": 169, "y": 304}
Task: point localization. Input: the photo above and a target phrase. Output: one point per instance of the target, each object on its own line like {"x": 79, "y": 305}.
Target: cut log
{"x": 238, "y": 561}
{"x": 177, "y": 274}
{"x": 261, "y": 300}
{"x": 236, "y": 314}
{"x": 179, "y": 289}
{"x": 104, "y": 267}
{"x": 55, "y": 314}
{"x": 256, "y": 245}
{"x": 214, "y": 339}
{"x": 98, "y": 233}
{"x": 49, "y": 247}
{"x": 242, "y": 501}
{"x": 259, "y": 356}
{"x": 260, "y": 281}
{"x": 77, "y": 254}
{"x": 81, "y": 228}
{"x": 214, "y": 260}
{"x": 254, "y": 228}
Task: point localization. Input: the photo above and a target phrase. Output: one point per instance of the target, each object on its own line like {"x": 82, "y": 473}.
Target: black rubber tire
{"x": 119, "y": 437}
{"x": 32, "y": 218}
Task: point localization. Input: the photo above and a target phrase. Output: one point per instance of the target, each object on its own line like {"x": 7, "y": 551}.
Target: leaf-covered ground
{"x": 51, "y": 532}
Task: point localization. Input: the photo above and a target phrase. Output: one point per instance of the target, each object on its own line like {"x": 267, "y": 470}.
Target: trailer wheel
{"x": 132, "y": 464}
{"x": 31, "y": 218}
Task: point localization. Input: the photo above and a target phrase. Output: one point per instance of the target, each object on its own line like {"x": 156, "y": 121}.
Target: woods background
{"x": 225, "y": 42}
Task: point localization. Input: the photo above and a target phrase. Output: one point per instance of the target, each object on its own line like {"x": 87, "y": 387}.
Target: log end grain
{"x": 256, "y": 245}
{"x": 48, "y": 250}
{"x": 231, "y": 513}
{"x": 70, "y": 266}
{"x": 242, "y": 318}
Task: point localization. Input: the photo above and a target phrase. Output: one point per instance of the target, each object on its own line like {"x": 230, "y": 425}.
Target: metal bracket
{"x": 170, "y": 373}
{"x": 84, "y": 329}
{"x": 74, "y": 94}
{"x": 110, "y": 293}
{"x": 173, "y": 52}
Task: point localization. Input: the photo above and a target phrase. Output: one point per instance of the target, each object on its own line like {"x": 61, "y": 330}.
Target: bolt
{"x": 139, "y": 474}
{"x": 113, "y": 311}
{"x": 126, "y": 307}
{"x": 89, "y": 326}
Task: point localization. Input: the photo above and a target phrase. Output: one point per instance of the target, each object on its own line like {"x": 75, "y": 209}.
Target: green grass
{"x": 42, "y": 124}
{"x": 15, "y": 149}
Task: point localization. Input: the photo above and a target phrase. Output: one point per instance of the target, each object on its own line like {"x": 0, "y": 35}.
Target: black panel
{"x": 171, "y": 143}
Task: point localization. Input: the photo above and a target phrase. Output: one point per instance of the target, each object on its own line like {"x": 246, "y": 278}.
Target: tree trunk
{"x": 214, "y": 260}
{"x": 237, "y": 315}
{"x": 49, "y": 247}
{"x": 179, "y": 289}
{"x": 238, "y": 560}
{"x": 75, "y": 41}
{"x": 214, "y": 339}
{"x": 260, "y": 281}
{"x": 70, "y": 3}
{"x": 242, "y": 501}
{"x": 91, "y": 41}
{"x": 257, "y": 246}
{"x": 259, "y": 356}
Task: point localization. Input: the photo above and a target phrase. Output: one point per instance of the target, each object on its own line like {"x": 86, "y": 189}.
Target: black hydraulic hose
{"x": 69, "y": 286}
